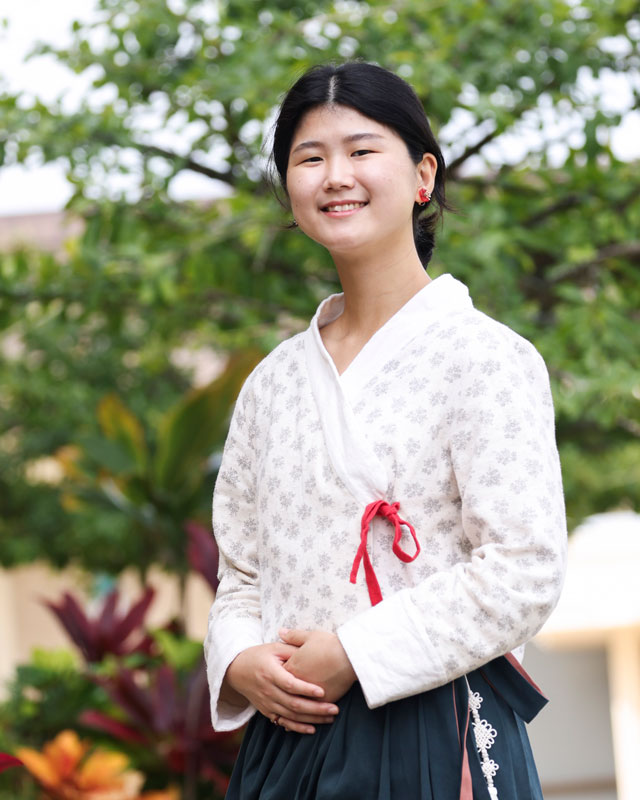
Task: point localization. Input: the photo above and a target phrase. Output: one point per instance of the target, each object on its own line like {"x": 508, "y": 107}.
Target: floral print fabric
{"x": 458, "y": 415}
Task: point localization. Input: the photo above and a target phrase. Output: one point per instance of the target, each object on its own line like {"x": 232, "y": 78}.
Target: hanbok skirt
{"x": 465, "y": 740}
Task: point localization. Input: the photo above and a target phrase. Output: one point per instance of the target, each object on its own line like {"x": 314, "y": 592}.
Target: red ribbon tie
{"x": 390, "y": 512}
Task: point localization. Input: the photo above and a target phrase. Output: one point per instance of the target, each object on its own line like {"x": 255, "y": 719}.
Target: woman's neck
{"x": 375, "y": 289}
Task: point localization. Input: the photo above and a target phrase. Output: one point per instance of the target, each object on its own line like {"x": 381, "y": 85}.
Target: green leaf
{"x": 192, "y": 429}
{"x": 178, "y": 652}
{"x": 120, "y": 425}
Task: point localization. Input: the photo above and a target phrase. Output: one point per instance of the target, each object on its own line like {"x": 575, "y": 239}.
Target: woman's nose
{"x": 339, "y": 174}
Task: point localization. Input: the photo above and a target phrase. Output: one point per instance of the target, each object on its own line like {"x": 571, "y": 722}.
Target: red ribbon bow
{"x": 390, "y": 512}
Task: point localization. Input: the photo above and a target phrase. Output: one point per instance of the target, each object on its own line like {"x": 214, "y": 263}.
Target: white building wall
{"x": 571, "y": 737}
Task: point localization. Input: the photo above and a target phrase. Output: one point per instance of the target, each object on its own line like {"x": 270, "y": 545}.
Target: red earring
{"x": 424, "y": 196}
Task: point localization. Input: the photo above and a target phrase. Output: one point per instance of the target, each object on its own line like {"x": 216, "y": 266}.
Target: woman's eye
{"x": 312, "y": 158}
{"x": 362, "y": 152}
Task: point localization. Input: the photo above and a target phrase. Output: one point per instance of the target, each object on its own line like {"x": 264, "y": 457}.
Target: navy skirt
{"x": 432, "y": 746}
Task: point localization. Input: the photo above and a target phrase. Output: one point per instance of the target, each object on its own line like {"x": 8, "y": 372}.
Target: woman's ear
{"x": 426, "y": 171}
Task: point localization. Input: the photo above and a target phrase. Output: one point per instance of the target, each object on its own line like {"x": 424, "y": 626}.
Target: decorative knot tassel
{"x": 390, "y": 512}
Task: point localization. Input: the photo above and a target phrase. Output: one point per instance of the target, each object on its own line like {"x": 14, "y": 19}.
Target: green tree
{"x": 146, "y": 483}
{"x": 545, "y": 237}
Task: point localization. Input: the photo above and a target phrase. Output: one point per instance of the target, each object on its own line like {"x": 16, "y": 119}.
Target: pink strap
{"x": 518, "y": 666}
{"x": 390, "y": 512}
{"x": 466, "y": 785}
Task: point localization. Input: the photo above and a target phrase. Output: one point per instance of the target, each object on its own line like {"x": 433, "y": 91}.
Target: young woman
{"x": 389, "y": 509}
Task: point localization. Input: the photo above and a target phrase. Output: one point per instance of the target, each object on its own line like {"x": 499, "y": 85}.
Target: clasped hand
{"x": 297, "y": 680}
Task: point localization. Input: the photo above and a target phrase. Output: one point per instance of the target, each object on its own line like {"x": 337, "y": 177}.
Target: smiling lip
{"x": 343, "y": 207}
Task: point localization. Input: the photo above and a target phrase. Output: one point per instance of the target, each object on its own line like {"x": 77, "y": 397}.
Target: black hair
{"x": 380, "y": 95}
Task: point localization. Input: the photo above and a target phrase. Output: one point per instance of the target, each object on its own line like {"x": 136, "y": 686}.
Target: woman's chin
{"x": 346, "y": 243}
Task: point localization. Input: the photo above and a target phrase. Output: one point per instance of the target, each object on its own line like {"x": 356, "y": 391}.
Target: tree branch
{"x": 595, "y": 437}
{"x": 625, "y": 201}
{"x": 572, "y": 200}
{"x": 188, "y": 162}
{"x": 569, "y": 201}
{"x": 470, "y": 151}
{"x": 629, "y": 250}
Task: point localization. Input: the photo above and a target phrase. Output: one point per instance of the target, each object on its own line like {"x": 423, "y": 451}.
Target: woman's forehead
{"x": 334, "y": 121}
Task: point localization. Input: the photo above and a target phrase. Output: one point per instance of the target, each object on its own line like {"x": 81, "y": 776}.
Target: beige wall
{"x": 48, "y": 231}
{"x": 25, "y": 622}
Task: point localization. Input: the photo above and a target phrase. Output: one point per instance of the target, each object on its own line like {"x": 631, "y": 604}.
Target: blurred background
{"x": 145, "y": 268}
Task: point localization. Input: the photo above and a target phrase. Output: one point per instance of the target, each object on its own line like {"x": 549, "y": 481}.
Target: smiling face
{"x": 351, "y": 182}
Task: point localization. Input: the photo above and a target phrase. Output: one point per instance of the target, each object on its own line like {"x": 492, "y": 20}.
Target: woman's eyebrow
{"x": 353, "y": 137}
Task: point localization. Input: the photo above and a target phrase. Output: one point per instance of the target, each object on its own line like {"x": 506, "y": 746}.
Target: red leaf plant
{"x": 110, "y": 632}
{"x": 7, "y": 761}
{"x": 171, "y": 716}
{"x": 202, "y": 552}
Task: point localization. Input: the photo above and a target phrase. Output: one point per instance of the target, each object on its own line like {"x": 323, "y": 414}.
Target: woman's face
{"x": 351, "y": 181}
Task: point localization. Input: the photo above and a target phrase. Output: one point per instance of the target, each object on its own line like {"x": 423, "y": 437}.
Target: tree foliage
{"x": 545, "y": 235}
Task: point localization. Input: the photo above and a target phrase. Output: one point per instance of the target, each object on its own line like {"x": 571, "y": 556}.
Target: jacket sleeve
{"x": 235, "y": 618}
{"x": 504, "y": 460}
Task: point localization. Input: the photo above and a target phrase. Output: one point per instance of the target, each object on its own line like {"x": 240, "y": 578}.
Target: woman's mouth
{"x": 343, "y": 208}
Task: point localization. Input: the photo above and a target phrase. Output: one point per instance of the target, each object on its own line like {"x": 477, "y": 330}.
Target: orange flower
{"x": 65, "y": 774}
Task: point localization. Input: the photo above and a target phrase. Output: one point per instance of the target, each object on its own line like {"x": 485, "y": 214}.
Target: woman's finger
{"x": 281, "y": 712}
{"x": 294, "y": 707}
{"x": 294, "y": 636}
{"x": 278, "y": 716}
{"x": 291, "y": 685}
{"x": 295, "y": 727}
